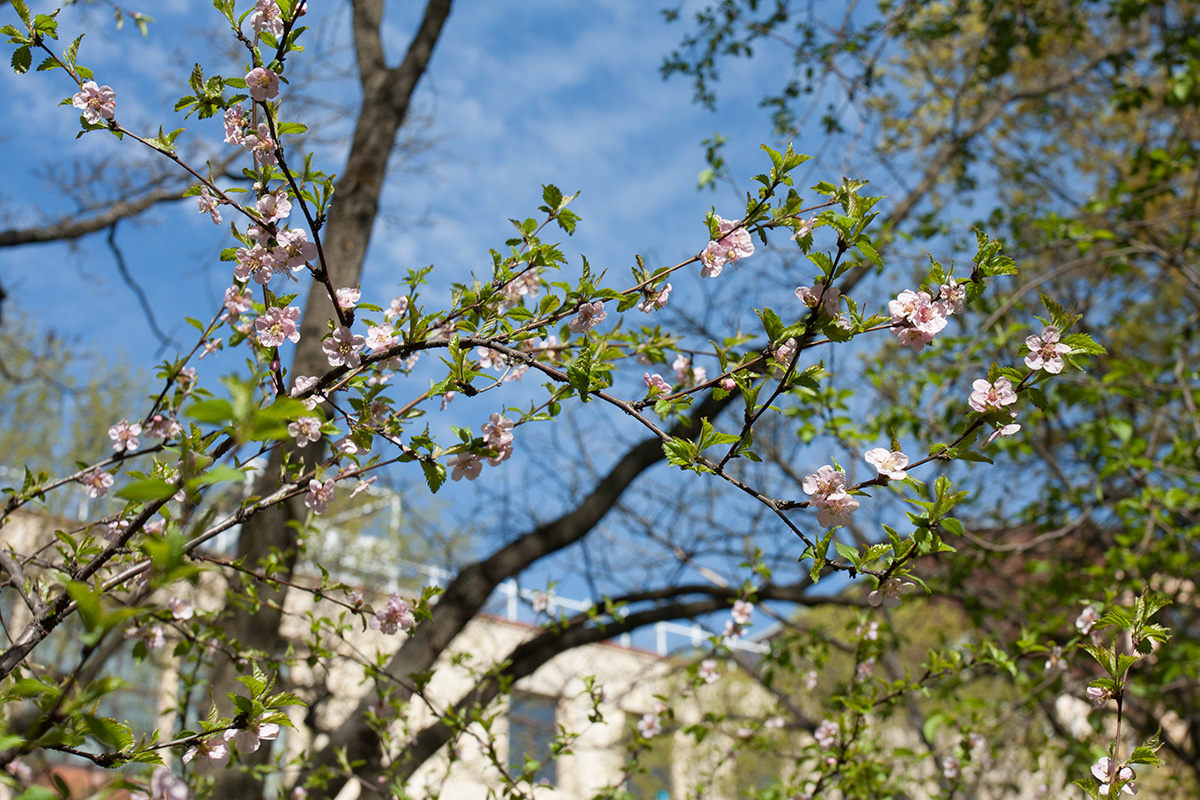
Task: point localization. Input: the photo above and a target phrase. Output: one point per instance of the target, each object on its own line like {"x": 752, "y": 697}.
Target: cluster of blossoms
{"x": 827, "y": 297}
{"x": 497, "y": 436}
{"x": 890, "y": 591}
{"x": 96, "y": 102}
{"x": 827, "y": 488}
{"x": 654, "y": 299}
{"x": 917, "y": 317}
{"x": 527, "y": 284}
{"x": 708, "y": 671}
{"x": 993, "y": 397}
{"x": 396, "y": 616}
{"x": 731, "y": 246}
{"x": 1107, "y": 772}
{"x": 686, "y": 374}
{"x": 153, "y": 637}
{"x": 827, "y": 734}
{"x": 739, "y": 618}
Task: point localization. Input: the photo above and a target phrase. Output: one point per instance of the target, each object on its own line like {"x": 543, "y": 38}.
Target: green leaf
{"x": 21, "y": 58}
{"x": 435, "y": 474}
{"x": 147, "y": 491}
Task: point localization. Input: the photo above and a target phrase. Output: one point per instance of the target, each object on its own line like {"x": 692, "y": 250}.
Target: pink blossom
{"x": 774, "y": 723}
{"x": 891, "y": 464}
{"x": 97, "y": 482}
{"x": 318, "y": 496}
{"x": 255, "y": 262}
{"x": 990, "y": 397}
{"x": 163, "y": 427}
{"x": 527, "y": 284}
{"x": 728, "y": 384}
{"x": 235, "y": 123}
{"x": 806, "y": 226}
{"x": 741, "y": 612}
{"x": 826, "y": 734}
{"x": 181, "y": 608}
{"x": 261, "y": 145}
{"x": 708, "y": 671}
{"x": 302, "y": 383}
{"x": 278, "y": 324}
{"x": 262, "y": 83}
{"x": 347, "y": 297}
{"x": 497, "y": 435}
{"x": 294, "y": 249}
{"x": 655, "y": 383}
{"x": 267, "y": 18}
{"x": 733, "y": 245}
{"x": 540, "y": 602}
{"x": 836, "y": 509}
{"x": 1007, "y": 430}
{"x": 953, "y": 296}
{"x": 395, "y": 616}
{"x": 274, "y": 206}
{"x": 649, "y": 725}
{"x": 210, "y": 346}
{"x": 950, "y": 767}
{"x": 1046, "y": 352}
{"x": 236, "y": 301}
{"x": 208, "y": 205}
{"x": 655, "y": 299}
{"x": 153, "y": 637}
{"x": 397, "y": 308}
{"x": 213, "y": 750}
{"x": 124, "y": 435}
{"x": 828, "y": 297}
{"x": 380, "y": 337}
{"x": 342, "y": 347}
{"x": 249, "y": 738}
{"x": 869, "y": 631}
{"x": 784, "y": 354}
{"x": 1086, "y": 619}
{"x": 363, "y": 485}
{"x": 810, "y": 680}
{"x": 1098, "y": 696}
{"x": 1054, "y": 659}
{"x": 1107, "y": 772}
{"x": 305, "y": 430}
{"x": 489, "y": 358}
{"x": 590, "y": 315}
{"x": 465, "y": 464}
{"x": 824, "y": 482}
{"x": 890, "y": 591}
{"x": 96, "y": 102}
{"x": 165, "y": 786}
{"x": 864, "y": 668}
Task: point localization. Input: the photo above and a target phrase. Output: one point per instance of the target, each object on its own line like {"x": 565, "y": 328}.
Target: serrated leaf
{"x": 435, "y": 475}
{"x": 21, "y": 58}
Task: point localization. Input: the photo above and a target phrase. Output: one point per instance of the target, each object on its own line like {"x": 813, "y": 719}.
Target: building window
{"x": 532, "y": 730}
